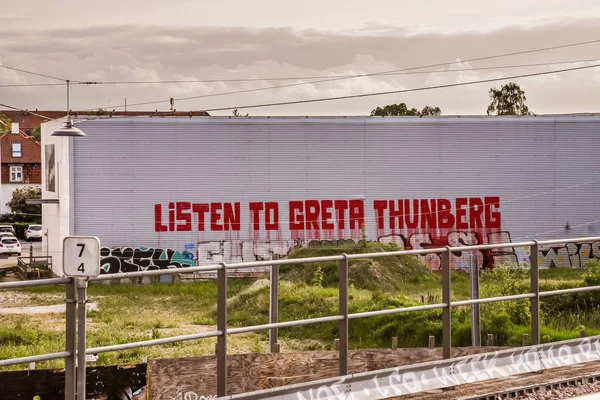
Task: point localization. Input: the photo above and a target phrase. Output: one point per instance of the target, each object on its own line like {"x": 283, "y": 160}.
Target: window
{"x": 16, "y": 149}
{"x": 16, "y": 173}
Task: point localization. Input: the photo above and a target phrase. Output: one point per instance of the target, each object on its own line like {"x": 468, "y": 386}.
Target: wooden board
{"x": 196, "y": 376}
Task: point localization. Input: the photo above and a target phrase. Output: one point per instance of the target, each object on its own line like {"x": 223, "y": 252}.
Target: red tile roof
{"x": 28, "y": 121}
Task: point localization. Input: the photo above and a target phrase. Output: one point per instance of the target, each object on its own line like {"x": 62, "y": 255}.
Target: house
{"x": 29, "y": 120}
{"x": 20, "y": 164}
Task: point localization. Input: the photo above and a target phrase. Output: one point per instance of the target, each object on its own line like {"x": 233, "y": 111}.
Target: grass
{"x": 129, "y": 313}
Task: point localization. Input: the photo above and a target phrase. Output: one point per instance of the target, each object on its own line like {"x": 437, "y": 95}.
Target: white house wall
{"x": 140, "y": 185}
{"x": 56, "y": 218}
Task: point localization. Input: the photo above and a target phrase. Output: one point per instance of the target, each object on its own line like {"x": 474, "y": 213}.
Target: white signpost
{"x": 81, "y": 260}
{"x": 81, "y": 256}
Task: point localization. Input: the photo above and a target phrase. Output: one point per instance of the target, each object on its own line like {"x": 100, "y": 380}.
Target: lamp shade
{"x": 68, "y": 130}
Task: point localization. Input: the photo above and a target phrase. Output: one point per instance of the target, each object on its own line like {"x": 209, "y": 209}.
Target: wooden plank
{"x": 176, "y": 378}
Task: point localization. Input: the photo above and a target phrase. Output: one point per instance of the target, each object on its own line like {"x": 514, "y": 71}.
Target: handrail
{"x": 342, "y": 318}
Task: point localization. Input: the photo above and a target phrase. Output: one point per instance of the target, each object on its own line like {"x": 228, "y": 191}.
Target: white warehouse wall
{"x": 56, "y": 218}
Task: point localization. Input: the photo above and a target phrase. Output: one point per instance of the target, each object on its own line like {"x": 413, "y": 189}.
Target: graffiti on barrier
{"x": 573, "y": 255}
{"x": 128, "y": 259}
{"x": 458, "y": 259}
{"x": 500, "y": 364}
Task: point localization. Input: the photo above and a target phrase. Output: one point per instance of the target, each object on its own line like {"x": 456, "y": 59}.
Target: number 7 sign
{"x": 81, "y": 256}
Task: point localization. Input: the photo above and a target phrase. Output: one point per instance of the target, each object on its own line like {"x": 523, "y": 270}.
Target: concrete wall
{"x": 56, "y": 218}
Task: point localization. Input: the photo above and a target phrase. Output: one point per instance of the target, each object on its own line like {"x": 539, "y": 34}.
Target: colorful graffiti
{"x": 573, "y": 255}
{"x": 128, "y": 259}
{"x": 458, "y": 259}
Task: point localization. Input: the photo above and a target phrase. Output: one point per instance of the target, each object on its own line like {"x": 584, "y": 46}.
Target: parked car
{"x": 10, "y": 245}
{"x": 33, "y": 232}
{"x": 6, "y": 234}
{"x": 7, "y": 228}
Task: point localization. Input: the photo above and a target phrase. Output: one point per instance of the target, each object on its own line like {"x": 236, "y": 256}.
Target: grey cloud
{"x": 145, "y": 53}
{"x": 231, "y": 47}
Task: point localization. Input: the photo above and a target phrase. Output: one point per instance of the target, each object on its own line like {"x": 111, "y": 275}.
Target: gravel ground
{"x": 568, "y": 392}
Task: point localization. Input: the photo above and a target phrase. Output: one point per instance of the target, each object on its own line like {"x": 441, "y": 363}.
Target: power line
{"x": 304, "y": 83}
{"x": 402, "y": 90}
{"x": 375, "y": 73}
{"x": 32, "y": 73}
{"x": 291, "y": 78}
{"x": 32, "y": 85}
{"x": 24, "y": 110}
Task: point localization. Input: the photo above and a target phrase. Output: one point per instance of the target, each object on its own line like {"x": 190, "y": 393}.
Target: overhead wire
{"x": 530, "y": 51}
{"x": 417, "y": 89}
{"x": 32, "y": 73}
{"x": 25, "y": 110}
{"x": 291, "y": 78}
{"x": 330, "y": 79}
{"x": 305, "y": 83}
{"x": 10, "y": 85}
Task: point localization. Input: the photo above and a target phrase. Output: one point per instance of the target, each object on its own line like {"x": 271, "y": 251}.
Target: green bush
{"x": 506, "y": 280}
{"x": 592, "y": 274}
{"x": 381, "y": 273}
{"x": 13, "y": 218}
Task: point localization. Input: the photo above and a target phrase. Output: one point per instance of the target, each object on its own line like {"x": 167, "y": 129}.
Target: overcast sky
{"x": 135, "y": 40}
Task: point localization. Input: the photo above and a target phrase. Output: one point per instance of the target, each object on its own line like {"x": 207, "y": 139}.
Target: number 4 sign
{"x": 81, "y": 256}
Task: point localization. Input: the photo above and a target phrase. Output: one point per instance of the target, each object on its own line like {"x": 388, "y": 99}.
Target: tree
{"x": 5, "y": 124}
{"x": 402, "y": 109}
{"x": 37, "y": 133}
{"x": 236, "y": 113}
{"x": 430, "y": 112}
{"x": 18, "y": 202}
{"x": 508, "y": 100}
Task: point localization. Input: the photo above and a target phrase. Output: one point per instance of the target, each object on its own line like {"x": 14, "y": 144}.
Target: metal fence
{"x": 75, "y": 350}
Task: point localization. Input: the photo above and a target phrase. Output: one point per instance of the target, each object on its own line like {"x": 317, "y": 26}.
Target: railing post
{"x": 82, "y": 285}
{"x": 534, "y": 273}
{"x": 446, "y": 299}
{"x": 71, "y": 344}
{"x": 222, "y": 326}
{"x": 343, "y": 324}
{"x": 274, "y": 307}
{"x": 475, "y": 308}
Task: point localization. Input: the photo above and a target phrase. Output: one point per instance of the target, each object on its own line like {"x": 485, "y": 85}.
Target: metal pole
{"x": 274, "y": 306}
{"x": 534, "y": 273}
{"x": 71, "y": 345}
{"x": 343, "y": 324}
{"x": 68, "y": 109}
{"x": 81, "y": 331}
{"x": 475, "y": 309}
{"x": 222, "y": 326}
{"x": 447, "y": 311}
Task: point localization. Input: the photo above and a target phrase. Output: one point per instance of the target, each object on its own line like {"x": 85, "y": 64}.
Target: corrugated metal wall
{"x": 544, "y": 170}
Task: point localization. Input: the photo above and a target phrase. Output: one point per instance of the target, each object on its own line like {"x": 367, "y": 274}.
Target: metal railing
{"x": 75, "y": 308}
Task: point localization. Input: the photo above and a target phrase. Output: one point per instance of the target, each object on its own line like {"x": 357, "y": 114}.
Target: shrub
{"x": 591, "y": 276}
{"x": 506, "y": 280}
{"x": 385, "y": 273}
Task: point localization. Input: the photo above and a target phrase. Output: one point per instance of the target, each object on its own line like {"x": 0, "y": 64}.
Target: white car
{"x": 7, "y": 228}
{"x": 6, "y": 234}
{"x": 33, "y": 232}
{"x": 10, "y": 245}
